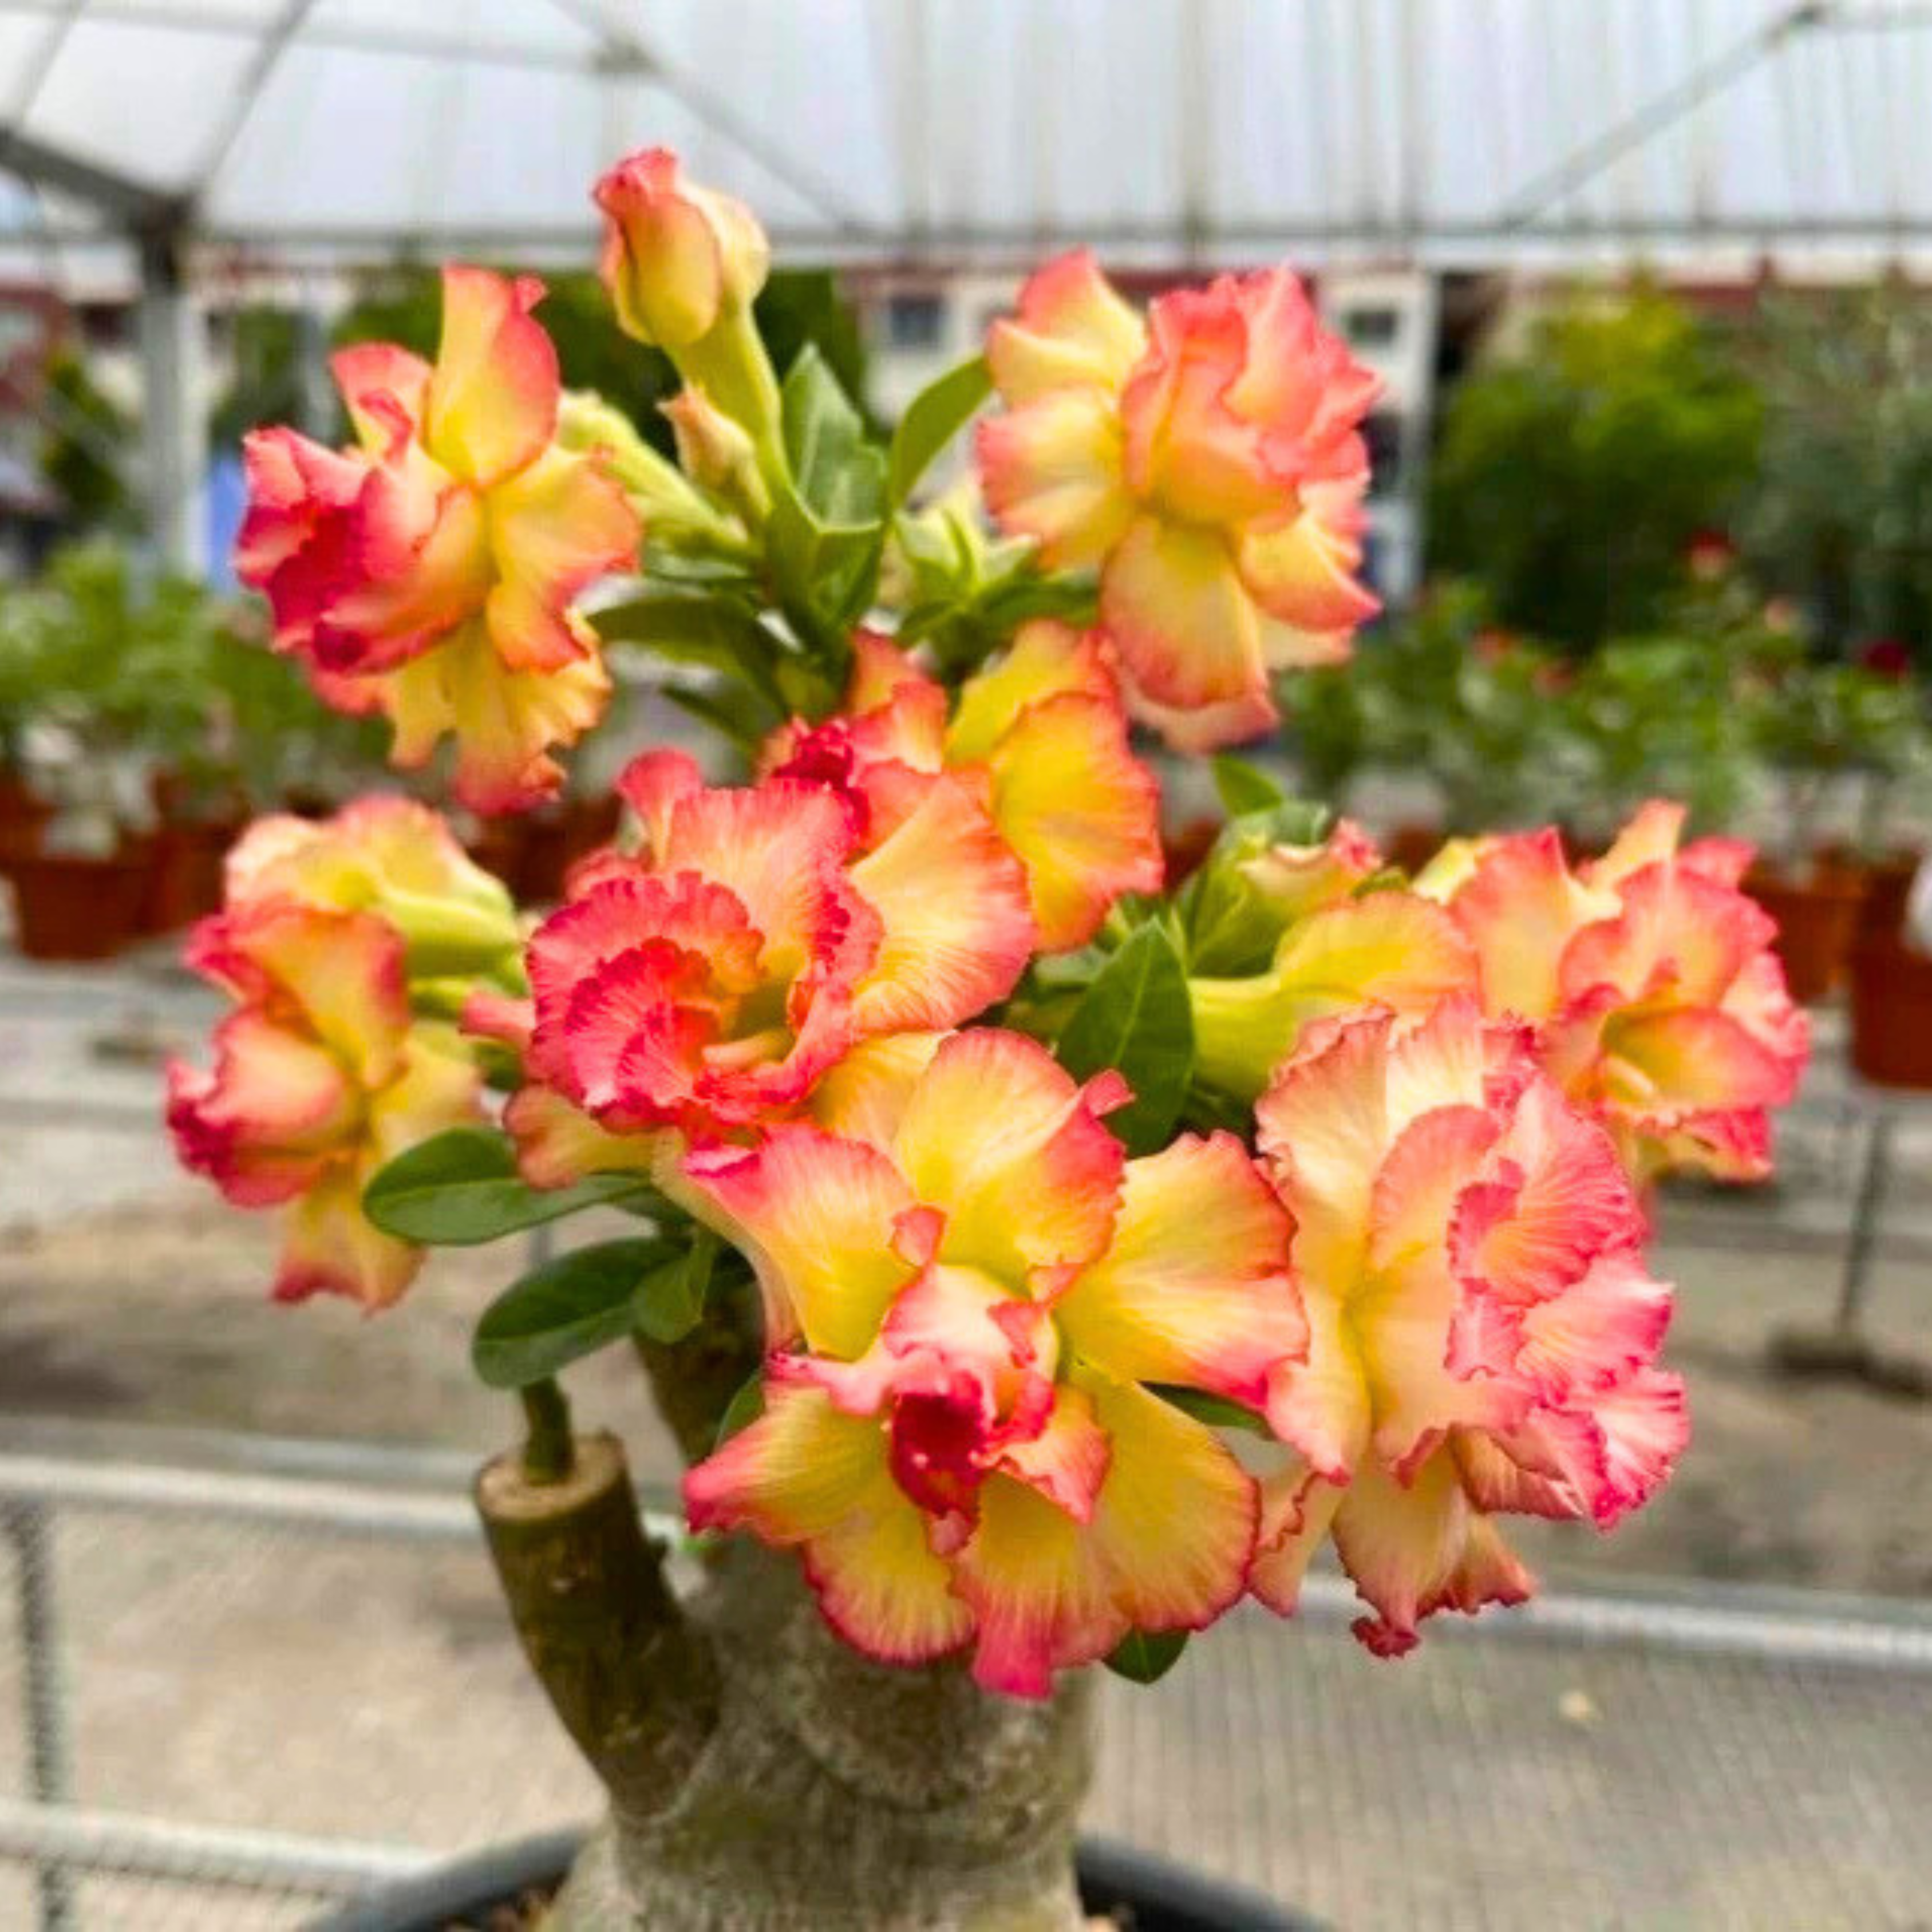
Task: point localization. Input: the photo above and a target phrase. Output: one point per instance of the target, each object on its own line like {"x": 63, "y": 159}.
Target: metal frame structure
{"x": 1363, "y": 73}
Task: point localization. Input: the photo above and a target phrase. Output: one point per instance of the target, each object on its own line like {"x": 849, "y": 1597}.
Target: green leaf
{"x": 461, "y": 1187}
{"x": 1287, "y": 821}
{"x": 1217, "y": 1411}
{"x": 717, "y": 633}
{"x": 1135, "y": 1017}
{"x": 1075, "y": 600}
{"x": 671, "y": 1298}
{"x": 840, "y": 472}
{"x": 743, "y": 1409}
{"x": 932, "y": 419}
{"x": 1244, "y": 788}
{"x": 1145, "y": 1657}
{"x": 568, "y": 1308}
{"x": 734, "y": 715}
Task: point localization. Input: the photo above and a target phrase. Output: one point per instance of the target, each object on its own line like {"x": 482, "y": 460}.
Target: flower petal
{"x": 1039, "y": 1599}
{"x": 955, "y": 924}
{"x": 1052, "y": 471}
{"x": 1194, "y": 1289}
{"x": 329, "y": 1246}
{"x": 264, "y": 1125}
{"x": 803, "y": 1473}
{"x": 1302, "y": 573}
{"x": 505, "y": 721}
{"x": 1174, "y": 1529}
{"x": 1080, "y": 811}
{"x": 1045, "y": 659}
{"x": 1416, "y": 1550}
{"x": 863, "y": 1097}
{"x": 492, "y": 401}
{"x": 554, "y": 528}
{"x": 1520, "y": 907}
{"x": 999, "y": 1138}
{"x": 1068, "y": 1460}
{"x": 385, "y": 390}
{"x": 1071, "y": 328}
{"x": 815, "y": 1215}
{"x": 1185, "y": 625}
{"x": 1297, "y": 1512}
{"x": 1322, "y": 1126}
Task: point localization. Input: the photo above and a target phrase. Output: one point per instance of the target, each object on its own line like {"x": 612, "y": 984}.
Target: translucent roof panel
{"x": 1461, "y": 131}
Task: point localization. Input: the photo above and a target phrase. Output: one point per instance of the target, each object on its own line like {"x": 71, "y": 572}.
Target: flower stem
{"x": 548, "y": 1455}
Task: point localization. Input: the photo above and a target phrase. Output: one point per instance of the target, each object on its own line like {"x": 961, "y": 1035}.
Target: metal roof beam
{"x": 133, "y": 205}
{"x": 368, "y": 36}
{"x": 1584, "y": 163}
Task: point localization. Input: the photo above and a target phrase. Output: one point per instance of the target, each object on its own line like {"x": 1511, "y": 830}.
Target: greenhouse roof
{"x": 1465, "y": 132}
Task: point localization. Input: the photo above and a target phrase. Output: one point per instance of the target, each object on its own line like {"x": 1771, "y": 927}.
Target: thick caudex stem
{"x": 635, "y": 1685}
{"x": 836, "y": 1794}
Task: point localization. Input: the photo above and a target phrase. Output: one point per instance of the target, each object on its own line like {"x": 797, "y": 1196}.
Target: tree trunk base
{"x": 835, "y": 1794}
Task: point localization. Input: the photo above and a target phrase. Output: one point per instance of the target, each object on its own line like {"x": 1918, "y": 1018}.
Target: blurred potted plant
{"x": 1441, "y": 694}
{"x": 23, "y": 812}
{"x": 1821, "y": 729}
{"x": 1572, "y": 473}
{"x": 82, "y": 894}
{"x": 1839, "y": 513}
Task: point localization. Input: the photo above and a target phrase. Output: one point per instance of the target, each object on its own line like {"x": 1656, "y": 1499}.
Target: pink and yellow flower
{"x": 1209, "y": 463}
{"x": 1649, "y": 977}
{"x": 1255, "y": 884}
{"x": 429, "y": 573}
{"x": 1389, "y": 948}
{"x": 958, "y": 1434}
{"x": 391, "y": 856}
{"x": 320, "y": 1078}
{"x": 1482, "y": 1329}
{"x": 705, "y": 985}
{"x": 1042, "y": 733}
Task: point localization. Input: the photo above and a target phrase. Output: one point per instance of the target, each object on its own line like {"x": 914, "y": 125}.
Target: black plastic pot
{"x": 1152, "y": 1895}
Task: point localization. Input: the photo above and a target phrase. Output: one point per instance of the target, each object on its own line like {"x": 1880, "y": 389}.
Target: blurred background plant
{"x": 1573, "y": 475}
{"x": 1839, "y": 516}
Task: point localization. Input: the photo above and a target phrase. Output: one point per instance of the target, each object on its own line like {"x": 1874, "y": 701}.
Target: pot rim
{"x": 1166, "y": 1897}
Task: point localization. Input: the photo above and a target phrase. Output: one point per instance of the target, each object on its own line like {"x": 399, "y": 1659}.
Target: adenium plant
{"x": 1032, "y": 1261}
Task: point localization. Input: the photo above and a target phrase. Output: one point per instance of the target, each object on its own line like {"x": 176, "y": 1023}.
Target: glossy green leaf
{"x": 932, "y": 419}
{"x": 1217, "y": 1411}
{"x": 743, "y": 1409}
{"x": 1145, "y": 1657}
{"x": 839, "y": 471}
{"x": 1243, "y": 788}
{"x": 1135, "y": 1017}
{"x": 568, "y": 1308}
{"x": 461, "y": 1187}
{"x": 714, "y": 632}
{"x": 671, "y": 1297}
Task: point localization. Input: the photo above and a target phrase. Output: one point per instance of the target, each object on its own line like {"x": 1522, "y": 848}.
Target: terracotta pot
{"x": 185, "y": 882}
{"x": 545, "y": 858}
{"x": 68, "y": 907}
{"x": 1817, "y": 921}
{"x": 1411, "y": 847}
{"x": 1891, "y": 1013}
{"x": 498, "y": 846}
{"x": 1185, "y": 850}
{"x": 1888, "y": 885}
{"x": 589, "y": 824}
{"x": 23, "y": 818}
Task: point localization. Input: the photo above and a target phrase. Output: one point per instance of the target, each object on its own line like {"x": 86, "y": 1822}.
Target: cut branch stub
{"x": 635, "y": 1685}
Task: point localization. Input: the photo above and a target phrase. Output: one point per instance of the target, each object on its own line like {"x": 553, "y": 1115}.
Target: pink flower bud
{"x": 677, "y": 259}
